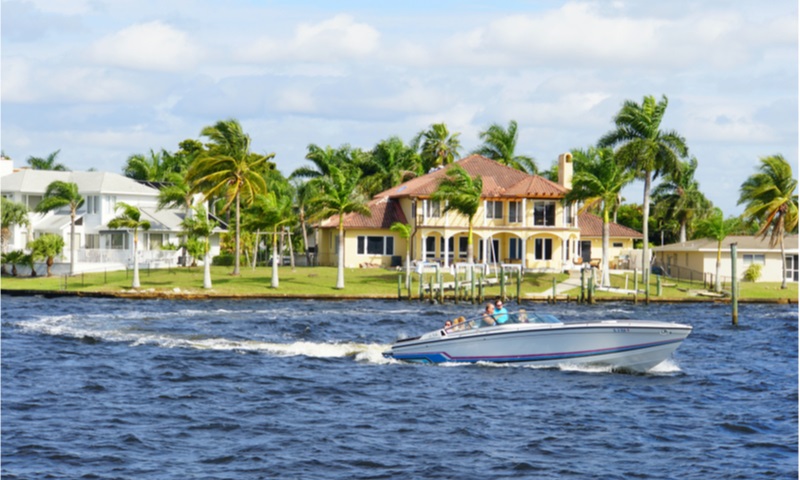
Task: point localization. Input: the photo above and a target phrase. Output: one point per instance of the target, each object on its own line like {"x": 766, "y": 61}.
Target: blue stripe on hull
{"x": 441, "y": 357}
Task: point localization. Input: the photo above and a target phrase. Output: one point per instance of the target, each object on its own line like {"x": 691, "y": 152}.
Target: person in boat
{"x": 522, "y": 316}
{"x": 459, "y": 323}
{"x": 500, "y": 312}
{"x": 488, "y": 318}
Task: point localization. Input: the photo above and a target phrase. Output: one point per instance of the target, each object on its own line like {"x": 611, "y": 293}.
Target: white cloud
{"x": 147, "y": 46}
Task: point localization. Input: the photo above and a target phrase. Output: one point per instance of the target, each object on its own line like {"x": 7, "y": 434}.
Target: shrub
{"x": 753, "y": 272}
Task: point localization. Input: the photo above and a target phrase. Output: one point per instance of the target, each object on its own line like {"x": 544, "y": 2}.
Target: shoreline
{"x": 168, "y": 295}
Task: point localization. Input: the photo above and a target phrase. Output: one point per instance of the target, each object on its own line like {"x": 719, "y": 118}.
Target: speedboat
{"x": 544, "y": 340}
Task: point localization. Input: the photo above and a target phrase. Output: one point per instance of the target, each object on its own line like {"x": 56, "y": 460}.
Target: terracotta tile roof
{"x": 498, "y": 181}
{"x": 385, "y": 211}
{"x": 592, "y": 226}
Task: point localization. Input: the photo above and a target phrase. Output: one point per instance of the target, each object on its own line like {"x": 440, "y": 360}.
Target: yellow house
{"x": 523, "y": 220}
{"x": 620, "y": 242}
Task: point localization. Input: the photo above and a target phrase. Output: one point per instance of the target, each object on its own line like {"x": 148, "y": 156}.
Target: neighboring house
{"x": 621, "y": 253}
{"x": 99, "y": 247}
{"x": 697, "y": 259}
{"x": 522, "y": 220}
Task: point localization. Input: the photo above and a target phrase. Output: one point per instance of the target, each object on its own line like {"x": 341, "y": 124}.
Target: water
{"x": 102, "y": 389}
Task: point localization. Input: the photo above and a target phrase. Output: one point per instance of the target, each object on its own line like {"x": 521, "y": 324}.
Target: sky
{"x": 102, "y": 80}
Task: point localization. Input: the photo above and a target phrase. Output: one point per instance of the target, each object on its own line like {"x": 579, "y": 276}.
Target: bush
{"x": 753, "y": 272}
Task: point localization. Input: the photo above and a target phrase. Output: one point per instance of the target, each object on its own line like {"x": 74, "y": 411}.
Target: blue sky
{"x": 102, "y": 80}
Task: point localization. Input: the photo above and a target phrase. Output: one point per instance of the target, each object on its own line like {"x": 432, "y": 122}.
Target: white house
{"x": 99, "y": 247}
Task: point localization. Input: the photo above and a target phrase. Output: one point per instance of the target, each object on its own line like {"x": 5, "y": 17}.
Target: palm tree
{"x": 148, "y": 168}
{"x": 716, "y": 227}
{"x": 389, "y": 164}
{"x": 304, "y": 194}
{"x": 12, "y": 213}
{"x": 647, "y": 151}
{"x": 176, "y": 194}
{"x": 14, "y": 257}
{"x": 64, "y": 194}
{"x": 678, "y": 197}
{"x": 338, "y": 195}
{"x": 404, "y": 230}
{"x": 500, "y": 144}
{"x": 47, "y": 163}
{"x": 323, "y": 159}
{"x": 131, "y": 219}
{"x": 48, "y": 246}
{"x": 771, "y": 201}
{"x": 273, "y": 211}
{"x": 229, "y": 168}
{"x": 597, "y": 181}
{"x": 462, "y": 194}
{"x": 199, "y": 227}
{"x": 437, "y": 146}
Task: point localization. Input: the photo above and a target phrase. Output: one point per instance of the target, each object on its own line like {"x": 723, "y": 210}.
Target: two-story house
{"x": 522, "y": 220}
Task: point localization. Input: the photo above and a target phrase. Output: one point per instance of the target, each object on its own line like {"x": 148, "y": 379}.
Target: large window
{"x": 791, "y": 268}
{"x": 433, "y": 208}
{"x": 543, "y": 248}
{"x": 92, "y": 204}
{"x": 494, "y": 209}
{"x": 118, "y": 240}
{"x": 92, "y": 240}
{"x": 750, "y": 258}
{"x": 514, "y": 212}
{"x": 544, "y": 213}
{"x": 515, "y": 248}
{"x": 375, "y": 245}
{"x": 463, "y": 245}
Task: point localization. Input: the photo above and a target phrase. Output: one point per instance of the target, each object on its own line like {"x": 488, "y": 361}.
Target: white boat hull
{"x": 620, "y": 344}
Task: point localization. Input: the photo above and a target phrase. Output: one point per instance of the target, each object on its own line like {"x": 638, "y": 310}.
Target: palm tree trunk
{"x": 237, "y": 240}
{"x": 274, "y": 257}
{"x": 135, "y": 283}
{"x": 783, "y": 258}
{"x": 340, "y": 268}
{"x": 606, "y": 278}
{"x": 470, "y": 250}
{"x": 305, "y": 237}
{"x": 291, "y": 250}
{"x": 646, "y": 233}
{"x": 73, "y": 247}
{"x": 683, "y": 231}
{"x": 255, "y": 250}
{"x": 207, "y": 266}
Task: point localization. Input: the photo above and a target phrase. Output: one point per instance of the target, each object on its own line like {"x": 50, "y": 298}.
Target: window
{"x": 514, "y": 212}
{"x": 92, "y": 240}
{"x": 544, "y": 213}
{"x": 543, "y": 249}
{"x": 375, "y": 245}
{"x": 617, "y": 245}
{"x": 432, "y": 208}
{"x": 32, "y": 201}
{"x": 111, "y": 203}
{"x": 450, "y": 245}
{"x": 92, "y": 204}
{"x": 494, "y": 209}
{"x": 754, "y": 258}
{"x": 568, "y": 214}
{"x": 156, "y": 240}
{"x": 118, "y": 241}
{"x": 462, "y": 246}
{"x": 430, "y": 247}
{"x": 515, "y": 248}
{"x": 791, "y": 268}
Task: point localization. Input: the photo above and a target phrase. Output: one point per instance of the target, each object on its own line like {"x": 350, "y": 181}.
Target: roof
{"x": 499, "y": 181}
{"x": 592, "y": 226}
{"x": 384, "y": 212}
{"x": 168, "y": 219}
{"x": 36, "y": 182}
{"x": 56, "y": 222}
{"x": 743, "y": 243}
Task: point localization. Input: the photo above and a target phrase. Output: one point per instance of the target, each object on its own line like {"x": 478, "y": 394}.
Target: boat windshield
{"x": 461, "y": 324}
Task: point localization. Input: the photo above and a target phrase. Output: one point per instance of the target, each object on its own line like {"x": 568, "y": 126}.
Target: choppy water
{"x": 102, "y": 389}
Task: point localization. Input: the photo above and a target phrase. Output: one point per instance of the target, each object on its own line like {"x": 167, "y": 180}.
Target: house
{"x": 523, "y": 220}
{"x": 99, "y": 247}
{"x": 697, "y": 259}
{"x": 621, "y": 253}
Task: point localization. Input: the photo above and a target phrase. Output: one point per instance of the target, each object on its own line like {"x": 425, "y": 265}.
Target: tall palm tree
{"x": 131, "y": 219}
{"x": 47, "y": 163}
{"x": 12, "y": 213}
{"x": 64, "y": 194}
{"x": 48, "y": 246}
{"x": 404, "y": 231}
{"x": 323, "y": 159}
{"x": 304, "y": 194}
{"x": 273, "y": 211}
{"x": 771, "y": 201}
{"x": 389, "y": 164}
{"x": 462, "y": 194}
{"x": 597, "y": 181}
{"x": 338, "y": 194}
{"x": 438, "y": 147}
{"x": 716, "y": 227}
{"x": 500, "y": 144}
{"x": 647, "y": 150}
{"x": 678, "y": 196}
{"x": 148, "y": 168}
{"x": 229, "y": 168}
{"x": 200, "y": 227}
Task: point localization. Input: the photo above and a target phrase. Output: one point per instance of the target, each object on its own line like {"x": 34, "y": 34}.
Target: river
{"x": 222, "y": 389}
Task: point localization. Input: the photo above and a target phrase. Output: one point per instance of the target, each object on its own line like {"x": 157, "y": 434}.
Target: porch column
{"x": 424, "y": 253}
{"x": 446, "y": 261}
{"x": 524, "y": 255}
{"x": 524, "y": 214}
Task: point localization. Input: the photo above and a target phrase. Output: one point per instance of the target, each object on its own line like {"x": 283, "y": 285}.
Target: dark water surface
{"x": 256, "y": 389}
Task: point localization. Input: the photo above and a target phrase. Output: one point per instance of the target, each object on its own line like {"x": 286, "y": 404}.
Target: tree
{"x": 404, "y": 231}
{"x": 64, "y": 194}
{"x": 678, "y": 197}
{"x": 47, "y": 163}
{"x": 717, "y": 228}
{"x": 228, "y": 167}
{"x": 597, "y": 181}
{"x": 437, "y": 146}
{"x": 198, "y": 229}
{"x": 772, "y": 202}
{"x": 12, "y": 213}
{"x": 462, "y": 194}
{"x": 338, "y": 195}
{"x": 131, "y": 219}
{"x": 14, "y": 257}
{"x": 147, "y": 168}
{"x": 323, "y": 159}
{"x": 647, "y": 151}
{"x": 48, "y": 246}
{"x": 500, "y": 144}
{"x": 304, "y": 195}
{"x": 389, "y": 164}
{"x": 272, "y": 211}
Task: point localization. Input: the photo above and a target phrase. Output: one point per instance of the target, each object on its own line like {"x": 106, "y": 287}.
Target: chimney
{"x": 565, "y": 170}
